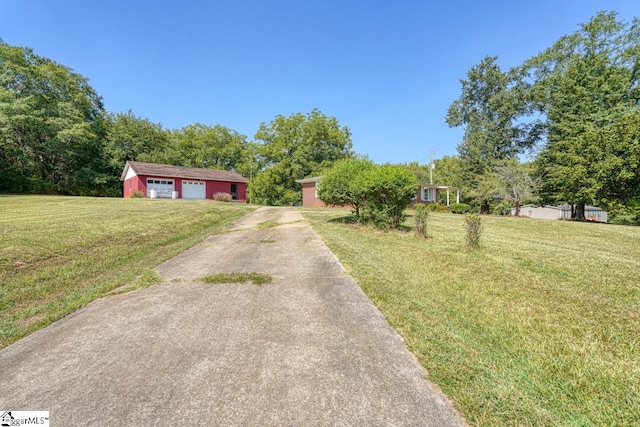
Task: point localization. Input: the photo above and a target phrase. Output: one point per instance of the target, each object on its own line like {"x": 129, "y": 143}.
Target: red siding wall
{"x": 242, "y": 191}
{"x": 214, "y": 187}
{"x": 309, "y": 195}
{"x": 135, "y": 183}
{"x": 139, "y": 182}
{"x": 217, "y": 187}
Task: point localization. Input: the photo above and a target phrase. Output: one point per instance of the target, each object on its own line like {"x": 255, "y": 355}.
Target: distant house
{"x": 591, "y": 213}
{"x": 430, "y": 193}
{"x": 166, "y": 181}
{"x": 425, "y": 193}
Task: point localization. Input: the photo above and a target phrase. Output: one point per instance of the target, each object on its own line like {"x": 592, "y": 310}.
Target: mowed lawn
{"x": 59, "y": 253}
{"x": 539, "y": 327}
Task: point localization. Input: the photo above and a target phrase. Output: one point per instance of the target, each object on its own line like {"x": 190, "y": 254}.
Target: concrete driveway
{"x": 307, "y": 349}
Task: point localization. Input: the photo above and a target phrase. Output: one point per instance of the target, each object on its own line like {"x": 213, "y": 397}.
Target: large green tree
{"x": 213, "y": 147}
{"x": 513, "y": 182}
{"x": 618, "y": 174}
{"x": 491, "y": 109}
{"x": 205, "y": 146}
{"x": 586, "y": 86}
{"x": 130, "y": 137}
{"x": 51, "y": 127}
{"x": 296, "y": 147}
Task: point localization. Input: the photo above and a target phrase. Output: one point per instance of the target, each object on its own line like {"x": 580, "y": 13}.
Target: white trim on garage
{"x": 130, "y": 174}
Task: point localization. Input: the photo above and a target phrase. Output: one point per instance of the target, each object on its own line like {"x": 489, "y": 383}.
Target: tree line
{"x": 57, "y": 138}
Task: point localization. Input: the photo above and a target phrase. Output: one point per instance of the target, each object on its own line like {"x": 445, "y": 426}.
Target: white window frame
{"x": 428, "y": 194}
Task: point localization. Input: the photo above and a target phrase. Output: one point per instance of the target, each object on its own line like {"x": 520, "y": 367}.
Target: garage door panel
{"x": 163, "y": 187}
{"x": 193, "y": 190}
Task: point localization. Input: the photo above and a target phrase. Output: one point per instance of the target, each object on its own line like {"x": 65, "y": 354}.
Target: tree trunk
{"x": 580, "y": 211}
{"x": 484, "y": 208}
{"x": 517, "y": 207}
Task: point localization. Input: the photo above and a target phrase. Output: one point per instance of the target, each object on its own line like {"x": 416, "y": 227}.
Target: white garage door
{"x": 193, "y": 190}
{"x": 163, "y": 187}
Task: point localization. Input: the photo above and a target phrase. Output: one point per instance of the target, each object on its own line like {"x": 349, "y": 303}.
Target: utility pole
{"x": 431, "y": 152}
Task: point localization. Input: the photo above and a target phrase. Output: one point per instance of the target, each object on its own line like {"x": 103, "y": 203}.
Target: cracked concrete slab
{"x": 307, "y": 349}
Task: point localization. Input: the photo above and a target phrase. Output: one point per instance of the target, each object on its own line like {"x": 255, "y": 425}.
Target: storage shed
{"x": 310, "y": 192}
{"x": 591, "y": 213}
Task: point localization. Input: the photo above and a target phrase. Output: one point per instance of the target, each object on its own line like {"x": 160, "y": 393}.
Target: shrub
{"x": 222, "y": 197}
{"x": 342, "y": 185}
{"x": 388, "y": 192}
{"x": 625, "y": 219}
{"x": 460, "y": 208}
{"x": 421, "y": 216}
{"x": 137, "y": 194}
{"x": 379, "y": 194}
{"x": 473, "y": 223}
{"x": 628, "y": 215}
{"x": 437, "y": 207}
{"x": 502, "y": 208}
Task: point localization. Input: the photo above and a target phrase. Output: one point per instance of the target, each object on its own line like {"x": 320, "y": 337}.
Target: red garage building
{"x": 181, "y": 182}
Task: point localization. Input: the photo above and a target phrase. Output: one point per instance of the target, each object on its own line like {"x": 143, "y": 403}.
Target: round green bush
{"x": 460, "y": 208}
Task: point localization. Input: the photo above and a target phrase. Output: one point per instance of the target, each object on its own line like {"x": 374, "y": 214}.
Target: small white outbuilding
{"x": 591, "y": 213}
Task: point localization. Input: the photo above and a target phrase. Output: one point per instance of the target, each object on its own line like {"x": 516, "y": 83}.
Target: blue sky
{"x": 387, "y": 70}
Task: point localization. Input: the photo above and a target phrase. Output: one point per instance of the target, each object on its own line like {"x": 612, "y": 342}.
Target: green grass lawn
{"x": 538, "y": 327}
{"x": 59, "y": 253}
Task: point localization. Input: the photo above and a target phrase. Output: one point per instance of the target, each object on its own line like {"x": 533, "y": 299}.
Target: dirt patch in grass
{"x": 267, "y": 224}
{"x": 255, "y": 278}
{"x": 270, "y": 224}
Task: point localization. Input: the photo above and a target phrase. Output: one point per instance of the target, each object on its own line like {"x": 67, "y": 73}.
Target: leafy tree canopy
{"x": 51, "y": 126}
{"x": 513, "y": 182}
{"x": 586, "y": 85}
{"x": 213, "y": 147}
{"x": 296, "y": 147}
{"x": 135, "y": 138}
{"x": 491, "y": 109}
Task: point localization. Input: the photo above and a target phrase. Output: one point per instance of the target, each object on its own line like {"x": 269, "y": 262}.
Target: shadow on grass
{"x": 404, "y": 228}
{"x": 350, "y": 220}
{"x": 345, "y": 220}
